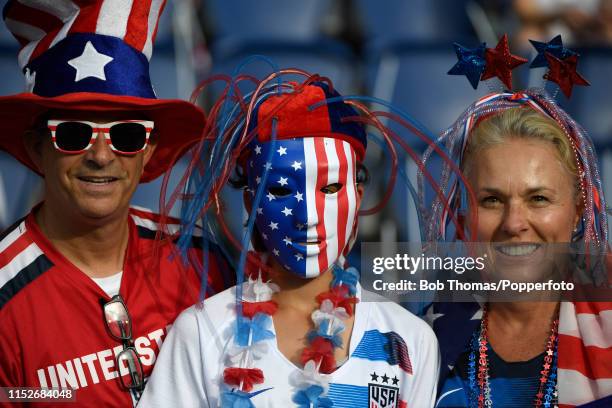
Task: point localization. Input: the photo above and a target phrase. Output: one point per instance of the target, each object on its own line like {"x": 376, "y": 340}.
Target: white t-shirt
{"x": 111, "y": 284}
{"x": 189, "y": 369}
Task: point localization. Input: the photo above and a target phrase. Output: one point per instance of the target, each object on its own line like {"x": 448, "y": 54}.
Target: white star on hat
{"x": 270, "y": 196}
{"x": 257, "y": 149}
{"x": 298, "y": 196}
{"x": 287, "y": 240}
{"x": 276, "y": 251}
{"x": 282, "y": 150}
{"x": 90, "y": 64}
{"x": 297, "y": 165}
{"x": 298, "y": 257}
{"x": 287, "y": 211}
{"x": 273, "y": 225}
{"x": 282, "y": 181}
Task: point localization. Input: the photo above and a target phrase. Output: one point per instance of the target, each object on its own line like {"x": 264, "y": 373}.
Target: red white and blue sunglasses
{"x": 124, "y": 137}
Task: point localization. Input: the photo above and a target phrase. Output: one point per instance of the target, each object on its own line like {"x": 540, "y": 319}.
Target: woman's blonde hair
{"x": 520, "y": 123}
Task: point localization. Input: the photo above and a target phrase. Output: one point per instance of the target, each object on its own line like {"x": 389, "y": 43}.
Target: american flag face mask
{"x": 310, "y": 201}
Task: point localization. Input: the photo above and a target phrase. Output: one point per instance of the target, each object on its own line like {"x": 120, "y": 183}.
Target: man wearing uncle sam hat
{"x": 86, "y": 292}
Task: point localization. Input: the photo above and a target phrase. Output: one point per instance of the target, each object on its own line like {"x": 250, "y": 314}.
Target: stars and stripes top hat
{"x": 92, "y": 55}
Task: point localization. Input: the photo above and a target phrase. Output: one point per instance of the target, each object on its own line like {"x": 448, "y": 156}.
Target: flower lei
{"x": 252, "y": 333}
{"x": 479, "y": 386}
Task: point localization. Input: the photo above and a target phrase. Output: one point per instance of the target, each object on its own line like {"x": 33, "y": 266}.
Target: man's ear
{"x": 32, "y": 142}
{"x": 148, "y": 153}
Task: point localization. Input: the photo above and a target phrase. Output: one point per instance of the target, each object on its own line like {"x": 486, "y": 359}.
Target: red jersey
{"x": 52, "y": 330}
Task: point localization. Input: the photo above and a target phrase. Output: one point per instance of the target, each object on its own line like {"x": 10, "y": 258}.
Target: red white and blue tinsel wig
{"x": 593, "y": 227}
{"x": 250, "y": 112}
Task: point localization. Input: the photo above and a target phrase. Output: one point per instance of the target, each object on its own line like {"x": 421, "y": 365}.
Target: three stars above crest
{"x": 482, "y": 63}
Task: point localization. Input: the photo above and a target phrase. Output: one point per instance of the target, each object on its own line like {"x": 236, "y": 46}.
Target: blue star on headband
{"x": 471, "y": 63}
{"x": 554, "y": 46}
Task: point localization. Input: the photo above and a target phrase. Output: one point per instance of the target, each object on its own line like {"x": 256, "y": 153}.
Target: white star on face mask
{"x": 90, "y": 63}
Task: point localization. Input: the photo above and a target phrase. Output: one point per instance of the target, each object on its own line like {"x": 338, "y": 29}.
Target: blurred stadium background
{"x": 397, "y": 50}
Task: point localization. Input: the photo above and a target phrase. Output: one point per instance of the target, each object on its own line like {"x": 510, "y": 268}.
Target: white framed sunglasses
{"x": 126, "y": 137}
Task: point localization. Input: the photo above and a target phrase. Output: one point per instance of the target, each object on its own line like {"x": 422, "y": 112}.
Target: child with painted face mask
{"x": 295, "y": 334}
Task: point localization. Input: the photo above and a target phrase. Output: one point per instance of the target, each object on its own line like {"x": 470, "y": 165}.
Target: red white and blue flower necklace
{"x": 252, "y": 330}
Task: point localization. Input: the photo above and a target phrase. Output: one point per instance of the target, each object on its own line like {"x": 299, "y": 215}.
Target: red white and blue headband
{"x": 561, "y": 63}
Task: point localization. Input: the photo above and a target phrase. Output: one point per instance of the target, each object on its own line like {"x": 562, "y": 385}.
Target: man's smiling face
{"x": 97, "y": 183}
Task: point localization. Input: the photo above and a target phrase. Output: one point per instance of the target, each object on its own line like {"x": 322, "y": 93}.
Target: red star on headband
{"x": 563, "y": 73}
{"x": 500, "y": 62}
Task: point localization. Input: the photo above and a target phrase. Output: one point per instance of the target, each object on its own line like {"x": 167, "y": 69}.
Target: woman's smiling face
{"x": 524, "y": 193}
{"x": 527, "y": 202}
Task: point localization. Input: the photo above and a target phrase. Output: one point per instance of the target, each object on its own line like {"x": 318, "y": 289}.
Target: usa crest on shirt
{"x": 382, "y": 393}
